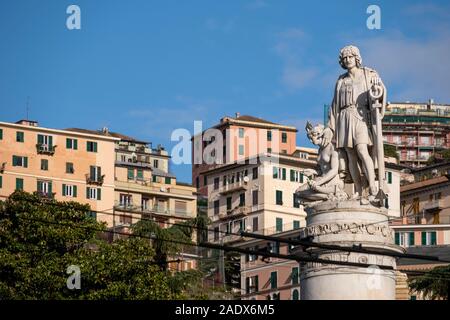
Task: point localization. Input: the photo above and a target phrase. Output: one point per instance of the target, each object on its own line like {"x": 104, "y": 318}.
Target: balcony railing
{"x": 94, "y": 180}
{"x": 433, "y": 205}
{"x": 46, "y": 195}
{"x": 232, "y": 187}
{"x": 155, "y": 209}
{"x": 45, "y": 149}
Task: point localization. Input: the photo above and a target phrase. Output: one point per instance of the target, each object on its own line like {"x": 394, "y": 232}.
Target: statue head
{"x": 315, "y": 134}
{"x": 350, "y": 51}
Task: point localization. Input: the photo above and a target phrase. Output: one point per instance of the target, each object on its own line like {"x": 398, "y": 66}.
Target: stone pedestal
{"x": 348, "y": 223}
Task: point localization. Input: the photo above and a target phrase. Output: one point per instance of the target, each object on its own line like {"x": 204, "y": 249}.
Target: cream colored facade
{"x": 256, "y": 196}
{"x": 33, "y": 157}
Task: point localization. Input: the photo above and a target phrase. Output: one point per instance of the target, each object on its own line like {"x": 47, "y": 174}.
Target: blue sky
{"x": 145, "y": 68}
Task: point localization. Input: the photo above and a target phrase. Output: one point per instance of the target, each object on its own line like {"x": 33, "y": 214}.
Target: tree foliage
{"x": 434, "y": 284}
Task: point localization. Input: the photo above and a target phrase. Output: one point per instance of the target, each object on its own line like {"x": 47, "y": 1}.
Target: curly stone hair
{"x": 350, "y": 50}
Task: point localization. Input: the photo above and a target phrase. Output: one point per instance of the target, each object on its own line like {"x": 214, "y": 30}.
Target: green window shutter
{"x": 433, "y": 238}
{"x": 68, "y": 143}
{"x": 19, "y": 184}
{"x": 75, "y": 144}
{"x": 301, "y": 177}
{"x": 279, "y": 197}
{"x": 25, "y": 162}
{"x": 273, "y": 280}
{"x": 168, "y": 180}
{"x": 411, "y": 238}
{"x": 296, "y": 224}
{"x": 296, "y": 203}
{"x": 14, "y": 161}
{"x": 130, "y": 173}
{"x": 389, "y": 177}
{"x": 50, "y": 188}
{"x": 1, "y": 181}
{"x": 1, "y": 134}
{"x": 99, "y": 194}
{"x": 275, "y": 172}
{"x": 40, "y": 139}
{"x": 95, "y": 146}
{"x": 269, "y": 135}
{"x": 154, "y": 178}
{"x": 87, "y": 192}
{"x": 88, "y": 146}
{"x": 64, "y": 190}
{"x": 284, "y": 173}
{"x": 140, "y": 173}
{"x": 39, "y": 186}
{"x": 19, "y": 136}
{"x": 92, "y": 172}
{"x": 279, "y": 224}
{"x": 74, "y": 191}
{"x": 295, "y": 295}
{"x": 424, "y": 238}
{"x": 397, "y": 238}
{"x": 50, "y": 141}
{"x": 292, "y": 175}
{"x": 295, "y": 275}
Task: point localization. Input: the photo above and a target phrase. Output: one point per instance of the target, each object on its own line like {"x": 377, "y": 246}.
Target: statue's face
{"x": 349, "y": 61}
{"x": 316, "y": 138}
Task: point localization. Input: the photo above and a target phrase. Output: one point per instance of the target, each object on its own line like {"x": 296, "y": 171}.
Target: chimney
{"x": 30, "y": 123}
{"x": 238, "y": 115}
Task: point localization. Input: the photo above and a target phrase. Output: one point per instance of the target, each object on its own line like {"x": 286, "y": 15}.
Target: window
{"x": 269, "y": 135}
{"x": 216, "y": 234}
{"x": 145, "y": 203}
{"x": 92, "y": 215}
{"x": 130, "y": 173}
{"x": 45, "y": 142}
{"x": 155, "y": 178}
{"x": 255, "y": 224}
{"x": 125, "y": 200}
{"x": 1, "y": 134}
{"x": 296, "y": 224}
{"x": 18, "y": 161}
{"x": 296, "y": 176}
{"x": 229, "y": 203}
{"x": 273, "y": 280}
{"x": 140, "y": 174}
{"x": 241, "y": 150}
{"x": 386, "y": 203}
{"x": 428, "y": 238}
{"x": 216, "y": 207}
{"x": 20, "y": 136}
{"x": 216, "y": 183}
{"x": 295, "y": 294}
{"x": 283, "y": 137}
{"x": 294, "y": 275}
{"x": 168, "y": 180}
{"x": 241, "y": 132}
{"x": 69, "y": 190}
{"x": 91, "y": 146}
{"x": 19, "y": 184}
{"x": 156, "y": 163}
{"x": 269, "y": 150}
{"x": 279, "y": 173}
{"x": 255, "y": 173}
{"x": 95, "y": 173}
{"x": 242, "y": 199}
{"x": 279, "y": 197}
{"x": 296, "y": 200}
{"x": 279, "y": 225}
{"x": 241, "y": 225}
{"x": 69, "y": 167}
{"x": 123, "y": 158}
{"x": 389, "y": 177}
{"x": 44, "y": 188}
{"x": 71, "y": 144}
{"x": 1, "y": 182}
{"x": 93, "y": 193}
{"x": 252, "y": 284}
{"x": 197, "y": 182}
{"x": 404, "y": 239}
{"x": 255, "y": 197}
{"x": 44, "y": 164}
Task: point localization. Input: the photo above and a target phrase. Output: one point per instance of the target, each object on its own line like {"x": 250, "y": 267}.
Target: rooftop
{"x": 423, "y": 184}
{"x": 106, "y": 132}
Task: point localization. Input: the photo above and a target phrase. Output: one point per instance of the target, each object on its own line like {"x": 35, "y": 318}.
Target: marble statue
{"x": 325, "y": 184}
{"x": 354, "y": 126}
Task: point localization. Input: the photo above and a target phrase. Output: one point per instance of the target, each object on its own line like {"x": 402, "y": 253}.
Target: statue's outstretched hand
{"x": 327, "y": 136}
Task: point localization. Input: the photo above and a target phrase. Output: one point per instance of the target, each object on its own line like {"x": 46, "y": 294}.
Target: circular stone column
{"x": 347, "y": 223}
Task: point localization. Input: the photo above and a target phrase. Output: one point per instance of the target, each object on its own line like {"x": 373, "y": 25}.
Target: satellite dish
{"x": 246, "y": 179}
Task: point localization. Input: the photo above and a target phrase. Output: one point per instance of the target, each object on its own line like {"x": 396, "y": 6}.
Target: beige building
{"x": 242, "y": 137}
{"x": 60, "y": 164}
{"x": 257, "y": 196}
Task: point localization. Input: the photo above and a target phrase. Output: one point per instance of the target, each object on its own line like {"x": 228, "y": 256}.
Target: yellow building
{"x": 60, "y": 164}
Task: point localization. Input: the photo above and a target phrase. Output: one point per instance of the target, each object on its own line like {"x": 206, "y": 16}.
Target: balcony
{"x": 130, "y": 207}
{"x": 94, "y": 180}
{"x": 45, "y": 149}
{"x": 432, "y": 206}
{"x": 46, "y": 195}
{"x": 232, "y": 187}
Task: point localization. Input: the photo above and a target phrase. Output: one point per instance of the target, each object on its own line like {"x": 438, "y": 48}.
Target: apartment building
{"x": 241, "y": 137}
{"x": 60, "y": 164}
{"x": 417, "y": 130}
